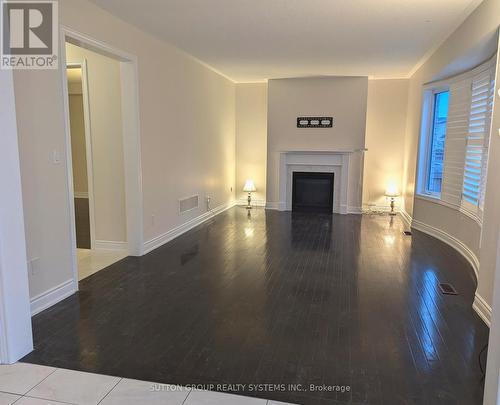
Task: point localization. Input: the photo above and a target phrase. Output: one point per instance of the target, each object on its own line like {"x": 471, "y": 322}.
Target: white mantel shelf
{"x": 323, "y": 152}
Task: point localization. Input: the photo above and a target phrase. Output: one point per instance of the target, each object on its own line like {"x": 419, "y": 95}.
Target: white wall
{"x": 344, "y": 98}
{"x": 104, "y": 93}
{"x": 251, "y": 139}
{"x": 15, "y": 322}
{"x": 385, "y": 133}
{"x": 187, "y": 123}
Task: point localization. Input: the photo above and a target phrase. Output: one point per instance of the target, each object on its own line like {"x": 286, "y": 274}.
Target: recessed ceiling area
{"x": 263, "y": 39}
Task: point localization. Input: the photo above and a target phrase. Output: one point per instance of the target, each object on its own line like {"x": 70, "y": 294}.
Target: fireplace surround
{"x": 345, "y": 165}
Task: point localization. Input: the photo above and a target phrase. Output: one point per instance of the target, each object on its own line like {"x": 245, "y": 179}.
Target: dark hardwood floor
{"x": 281, "y": 298}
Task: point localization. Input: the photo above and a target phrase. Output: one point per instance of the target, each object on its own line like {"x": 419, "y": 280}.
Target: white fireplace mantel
{"x": 336, "y": 162}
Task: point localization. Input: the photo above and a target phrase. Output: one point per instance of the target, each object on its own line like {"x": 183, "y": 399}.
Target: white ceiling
{"x": 254, "y": 40}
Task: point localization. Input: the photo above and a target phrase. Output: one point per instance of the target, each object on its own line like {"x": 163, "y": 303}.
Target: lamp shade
{"x": 249, "y": 186}
{"x": 391, "y": 191}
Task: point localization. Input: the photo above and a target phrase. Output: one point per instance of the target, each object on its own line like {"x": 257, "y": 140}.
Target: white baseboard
{"x": 81, "y": 194}
{"x": 255, "y": 203}
{"x": 52, "y": 296}
{"x": 160, "y": 240}
{"x": 455, "y": 243}
{"x": 482, "y": 308}
{"x": 407, "y": 219}
{"x": 281, "y": 206}
{"x": 275, "y": 205}
{"x": 378, "y": 208}
{"x": 110, "y": 245}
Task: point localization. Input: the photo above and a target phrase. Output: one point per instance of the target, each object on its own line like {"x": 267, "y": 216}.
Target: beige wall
{"x": 78, "y": 152}
{"x": 480, "y": 26}
{"x": 385, "y": 133}
{"x": 108, "y": 177}
{"x": 385, "y": 130}
{"x": 344, "y": 98}
{"x": 251, "y": 138}
{"x": 187, "y": 122}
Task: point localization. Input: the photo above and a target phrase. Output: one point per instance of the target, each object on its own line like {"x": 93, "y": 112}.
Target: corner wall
{"x": 251, "y": 139}
{"x": 385, "y": 134}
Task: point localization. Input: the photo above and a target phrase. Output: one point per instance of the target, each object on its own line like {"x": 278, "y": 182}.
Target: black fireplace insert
{"x": 312, "y": 192}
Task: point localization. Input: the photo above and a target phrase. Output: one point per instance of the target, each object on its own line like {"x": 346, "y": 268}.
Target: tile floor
{"x": 91, "y": 261}
{"x": 30, "y": 384}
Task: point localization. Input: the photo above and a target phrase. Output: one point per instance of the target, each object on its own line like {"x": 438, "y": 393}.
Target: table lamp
{"x": 392, "y": 192}
{"x": 249, "y": 188}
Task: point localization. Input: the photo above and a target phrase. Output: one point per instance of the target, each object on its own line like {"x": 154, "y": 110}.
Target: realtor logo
{"x": 29, "y": 34}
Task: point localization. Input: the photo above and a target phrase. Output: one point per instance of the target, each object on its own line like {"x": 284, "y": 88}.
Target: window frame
{"x": 426, "y": 137}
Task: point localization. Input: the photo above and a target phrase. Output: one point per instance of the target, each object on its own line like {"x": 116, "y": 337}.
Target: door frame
{"x": 131, "y": 139}
{"x": 88, "y": 144}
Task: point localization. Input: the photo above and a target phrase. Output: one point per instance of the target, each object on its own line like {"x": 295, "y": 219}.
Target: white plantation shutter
{"x": 476, "y": 156}
{"x": 487, "y": 142}
{"x": 456, "y": 131}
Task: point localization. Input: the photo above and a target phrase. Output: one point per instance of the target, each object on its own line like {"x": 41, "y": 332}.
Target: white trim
{"x": 482, "y": 309}
{"x": 275, "y": 205}
{"x": 367, "y": 208}
{"x": 132, "y": 155}
{"x": 455, "y": 243}
{"x": 337, "y": 162}
{"x": 81, "y": 194}
{"x": 69, "y": 159}
{"x": 88, "y": 149}
{"x": 354, "y": 210}
{"x": 255, "y": 203}
{"x": 455, "y": 207}
{"x": 110, "y": 245}
{"x": 474, "y": 216}
{"x": 407, "y": 219}
{"x": 53, "y": 296}
{"x": 160, "y": 240}
{"x": 88, "y": 145}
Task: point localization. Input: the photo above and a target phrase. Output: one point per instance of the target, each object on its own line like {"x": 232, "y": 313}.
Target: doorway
{"x": 92, "y": 255}
{"x": 103, "y": 154}
{"x": 81, "y": 155}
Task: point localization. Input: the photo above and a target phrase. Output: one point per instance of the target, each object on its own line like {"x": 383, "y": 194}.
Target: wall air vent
{"x": 407, "y": 233}
{"x": 447, "y": 289}
{"x": 188, "y": 204}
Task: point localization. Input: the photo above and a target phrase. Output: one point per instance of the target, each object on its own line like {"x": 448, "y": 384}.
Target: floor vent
{"x": 188, "y": 204}
{"x": 447, "y": 289}
{"x": 407, "y": 233}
